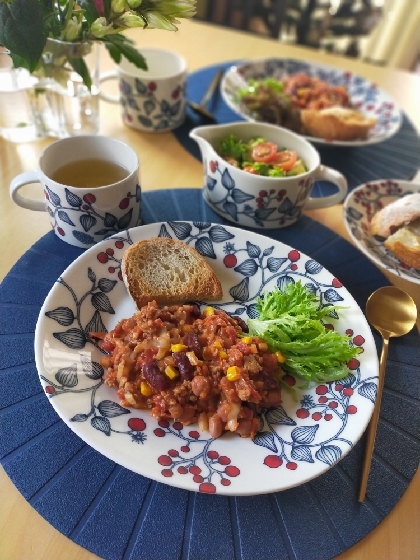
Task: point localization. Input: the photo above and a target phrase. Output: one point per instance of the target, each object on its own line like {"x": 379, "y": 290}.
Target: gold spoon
{"x": 392, "y": 312}
{"x": 201, "y": 107}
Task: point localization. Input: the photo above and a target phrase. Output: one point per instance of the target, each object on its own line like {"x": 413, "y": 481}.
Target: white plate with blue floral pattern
{"x": 297, "y": 441}
{"x": 367, "y": 97}
{"x": 359, "y": 208}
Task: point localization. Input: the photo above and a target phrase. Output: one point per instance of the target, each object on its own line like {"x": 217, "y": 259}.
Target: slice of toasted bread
{"x": 169, "y": 272}
{"x": 405, "y": 244}
{"x": 401, "y": 212}
{"x": 336, "y": 123}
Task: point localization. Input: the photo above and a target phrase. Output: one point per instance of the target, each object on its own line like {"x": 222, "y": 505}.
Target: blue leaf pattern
{"x": 83, "y": 237}
{"x": 248, "y": 268}
{"x": 279, "y": 416}
{"x": 54, "y": 198}
{"x": 101, "y": 424}
{"x": 332, "y": 295}
{"x": 265, "y": 439}
{"x": 227, "y": 180}
{"x": 73, "y": 199}
{"x": 312, "y": 267}
{"x": 368, "y": 390}
{"x": 67, "y": 376}
{"x": 205, "y": 247}
{"x": 304, "y": 434}
{"x": 253, "y": 250}
{"x": 328, "y": 454}
{"x": 218, "y": 234}
{"x": 302, "y": 453}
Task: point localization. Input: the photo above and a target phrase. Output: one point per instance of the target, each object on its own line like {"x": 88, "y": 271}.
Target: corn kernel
{"x": 178, "y": 347}
{"x": 208, "y": 311}
{"x": 281, "y": 358}
{"x": 246, "y": 339}
{"x": 223, "y": 355}
{"x": 217, "y": 344}
{"x": 145, "y": 389}
{"x": 171, "y": 372}
{"x": 232, "y": 373}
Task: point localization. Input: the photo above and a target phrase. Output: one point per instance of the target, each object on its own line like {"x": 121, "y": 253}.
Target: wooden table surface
{"x": 24, "y": 534}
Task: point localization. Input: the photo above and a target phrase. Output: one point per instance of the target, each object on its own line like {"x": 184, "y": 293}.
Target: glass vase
{"x": 62, "y": 104}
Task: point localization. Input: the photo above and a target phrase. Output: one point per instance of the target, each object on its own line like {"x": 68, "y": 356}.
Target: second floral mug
{"x": 152, "y": 100}
{"x": 91, "y": 188}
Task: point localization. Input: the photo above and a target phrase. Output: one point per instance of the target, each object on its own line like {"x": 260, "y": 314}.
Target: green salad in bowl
{"x": 260, "y": 157}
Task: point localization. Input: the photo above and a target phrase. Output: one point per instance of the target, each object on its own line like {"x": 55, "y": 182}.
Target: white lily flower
{"x": 100, "y": 28}
{"x": 72, "y": 30}
{"x": 134, "y": 3}
{"x": 117, "y": 6}
{"x": 130, "y": 19}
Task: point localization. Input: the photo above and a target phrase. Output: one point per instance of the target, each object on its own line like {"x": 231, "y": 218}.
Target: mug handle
{"x": 105, "y": 77}
{"x": 328, "y": 174}
{"x": 26, "y": 178}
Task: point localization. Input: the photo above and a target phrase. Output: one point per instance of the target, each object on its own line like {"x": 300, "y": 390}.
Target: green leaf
{"x": 290, "y": 322}
{"x": 79, "y": 66}
{"x": 120, "y": 44}
{"x": 91, "y": 13}
{"x": 107, "y": 8}
{"x": 113, "y": 52}
{"x": 22, "y": 30}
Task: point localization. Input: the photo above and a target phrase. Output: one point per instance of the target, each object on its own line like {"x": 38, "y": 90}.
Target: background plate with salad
{"x": 370, "y": 100}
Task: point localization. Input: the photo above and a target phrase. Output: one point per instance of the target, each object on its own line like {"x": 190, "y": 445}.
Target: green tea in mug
{"x": 89, "y": 173}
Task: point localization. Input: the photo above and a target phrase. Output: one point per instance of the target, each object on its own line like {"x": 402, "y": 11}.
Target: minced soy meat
{"x": 192, "y": 366}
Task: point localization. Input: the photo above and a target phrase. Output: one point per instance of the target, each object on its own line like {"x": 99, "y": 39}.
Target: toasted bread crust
{"x": 169, "y": 272}
{"x": 393, "y": 216}
{"x": 336, "y": 123}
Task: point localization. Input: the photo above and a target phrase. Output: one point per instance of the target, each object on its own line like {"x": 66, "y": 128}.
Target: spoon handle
{"x": 212, "y": 87}
{"x": 373, "y": 424}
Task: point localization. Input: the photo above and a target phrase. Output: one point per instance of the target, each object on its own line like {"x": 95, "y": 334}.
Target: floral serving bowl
{"x": 259, "y": 201}
{"x": 359, "y": 208}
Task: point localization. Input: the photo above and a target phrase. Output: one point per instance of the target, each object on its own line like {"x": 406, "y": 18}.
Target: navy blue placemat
{"x": 395, "y": 158}
{"x": 120, "y": 515}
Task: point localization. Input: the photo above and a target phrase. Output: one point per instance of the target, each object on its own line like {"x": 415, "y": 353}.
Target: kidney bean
{"x": 215, "y": 426}
{"x": 241, "y": 323}
{"x": 200, "y": 386}
{"x": 182, "y": 362}
{"x": 195, "y": 311}
{"x": 191, "y": 340}
{"x": 269, "y": 381}
{"x": 154, "y": 377}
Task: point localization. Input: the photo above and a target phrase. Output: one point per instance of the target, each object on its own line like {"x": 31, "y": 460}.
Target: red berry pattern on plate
{"x": 196, "y": 457}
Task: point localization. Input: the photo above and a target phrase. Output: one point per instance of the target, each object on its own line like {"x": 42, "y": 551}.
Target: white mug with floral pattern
{"x": 84, "y": 216}
{"x": 152, "y": 100}
{"x": 259, "y": 201}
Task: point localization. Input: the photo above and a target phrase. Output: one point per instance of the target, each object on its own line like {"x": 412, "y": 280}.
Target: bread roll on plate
{"x": 336, "y": 123}
{"x": 405, "y": 244}
{"x": 401, "y": 212}
{"x": 169, "y": 272}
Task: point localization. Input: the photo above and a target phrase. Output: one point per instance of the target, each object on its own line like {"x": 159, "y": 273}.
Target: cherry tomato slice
{"x": 264, "y": 151}
{"x": 285, "y": 159}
